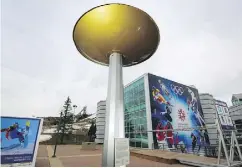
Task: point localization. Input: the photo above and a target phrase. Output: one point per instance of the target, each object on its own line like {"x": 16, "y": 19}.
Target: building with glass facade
{"x": 136, "y": 113}
{"x": 155, "y": 105}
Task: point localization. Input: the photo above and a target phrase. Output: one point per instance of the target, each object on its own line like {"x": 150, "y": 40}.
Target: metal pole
{"x": 114, "y": 122}
{"x": 231, "y": 147}
{"x": 237, "y": 145}
{"x": 56, "y": 139}
{"x": 219, "y": 150}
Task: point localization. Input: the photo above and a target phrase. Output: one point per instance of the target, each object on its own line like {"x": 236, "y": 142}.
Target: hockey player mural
{"x": 175, "y": 106}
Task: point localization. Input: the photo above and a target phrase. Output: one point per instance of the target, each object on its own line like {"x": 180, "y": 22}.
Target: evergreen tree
{"x": 67, "y": 119}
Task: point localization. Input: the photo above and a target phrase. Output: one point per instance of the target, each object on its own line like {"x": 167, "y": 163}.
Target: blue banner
{"x": 18, "y": 139}
{"x": 176, "y": 106}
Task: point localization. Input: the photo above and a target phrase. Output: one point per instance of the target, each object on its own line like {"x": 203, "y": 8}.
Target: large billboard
{"x": 223, "y": 115}
{"x": 176, "y": 108}
{"x": 19, "y": 140}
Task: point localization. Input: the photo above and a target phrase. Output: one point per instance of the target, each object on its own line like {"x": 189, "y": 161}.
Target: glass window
{"x": 136, "y": 107}
{"x": 140, "y": 94}
{"x": 135, "y": 113}
{"x": 144, "y": 145}
{"x": 128, "y": 123}
{"x": 138, "y": 121}
{"x": 144, "y": 135}
{"x": 141, "y": 87}
{"x": 145, "y": 127}
{"x": 137, "y": 135}
{"x": 136, "y": 102}
{"x": 131, "y": 103}
{"x": 138, "y": 113}
{"x": 135, "y": 127}
{"x": 132, "y": 143}
{"x": 144, "y": 113}
{"x": 141, "y": 113}
{"x": 131, "y": 109}
{"x": 128, "y": 116}
{"x": 126, "y": 135}
{"x": 142, "y": 99}
{"x": 136, "y": 90}
{"x": 132, "y": 122}
{"x": 133, "y": 117}
{"x": 138, "y": 144}
{"x": 142, "y": 106}
{"x": 143, "y": 120}
{"x": 126, "y": 129}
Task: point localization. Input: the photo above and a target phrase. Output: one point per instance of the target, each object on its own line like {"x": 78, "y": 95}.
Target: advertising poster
{"x": 176, "y": 106}
{"x": 19, "y": 137}
{"x": 223, "y": 115}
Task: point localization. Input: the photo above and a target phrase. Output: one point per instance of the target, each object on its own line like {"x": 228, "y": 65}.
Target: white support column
{"x": 114, "y": 126}
{"x": 148, "y": 112}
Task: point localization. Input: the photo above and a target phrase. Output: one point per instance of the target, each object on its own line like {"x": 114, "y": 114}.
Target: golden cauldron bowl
{"x": 116, "y": 28}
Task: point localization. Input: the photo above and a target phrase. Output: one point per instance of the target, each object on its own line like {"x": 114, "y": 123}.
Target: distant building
{"x": 100, "y": 121}
{"x": 236, "y": 111}
{"x": 210, "y": 115}
{"x": 215, "y": 110}
{"x": 237, "y": 99}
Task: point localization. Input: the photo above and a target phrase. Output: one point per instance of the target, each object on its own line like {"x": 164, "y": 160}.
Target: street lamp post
{"x": 74, "y": 106}
{"x": 57, "y": 135}
{"x": 115, "y": 35}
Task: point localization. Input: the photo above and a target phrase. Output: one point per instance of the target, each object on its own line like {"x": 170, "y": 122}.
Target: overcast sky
{"x": 201, "y": 45}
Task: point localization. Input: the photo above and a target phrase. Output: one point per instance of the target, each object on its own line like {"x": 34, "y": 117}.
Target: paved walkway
{"x": 54, "y": 161}
{"x": 175, "y": 157}
{"x": 42, "y": 157}
{"x": 74, "y": 156}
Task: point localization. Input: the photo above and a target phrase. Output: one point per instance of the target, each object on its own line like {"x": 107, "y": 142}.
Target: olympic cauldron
{"x": 115, "y": 35}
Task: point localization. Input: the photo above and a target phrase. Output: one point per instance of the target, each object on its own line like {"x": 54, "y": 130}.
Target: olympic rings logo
{"x": 177, "y": 90}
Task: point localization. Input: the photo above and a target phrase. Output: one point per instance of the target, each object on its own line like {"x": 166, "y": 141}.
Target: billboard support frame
{"x": 37, "y": 142}
{"x": 221, "y": 143}
{"x": 234, "y": 143}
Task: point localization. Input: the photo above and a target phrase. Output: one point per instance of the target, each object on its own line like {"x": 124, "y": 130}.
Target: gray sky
{"x": 200, "y": 45}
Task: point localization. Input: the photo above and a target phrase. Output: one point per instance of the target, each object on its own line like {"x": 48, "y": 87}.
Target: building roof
{"x": 236, "y": 96}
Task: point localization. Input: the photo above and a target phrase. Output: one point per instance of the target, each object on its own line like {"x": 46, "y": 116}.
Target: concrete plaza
{"x": 74, "y": 156}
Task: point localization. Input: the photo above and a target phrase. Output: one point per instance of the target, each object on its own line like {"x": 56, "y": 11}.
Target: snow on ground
{"x": 49, "y": 130}
{"x": 74, "y": 126}
{"x": 77, "y": 126}
{"x": 44, "y": 138}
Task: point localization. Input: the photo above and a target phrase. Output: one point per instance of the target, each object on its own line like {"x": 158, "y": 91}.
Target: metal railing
{"x": 227, "y": 144}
